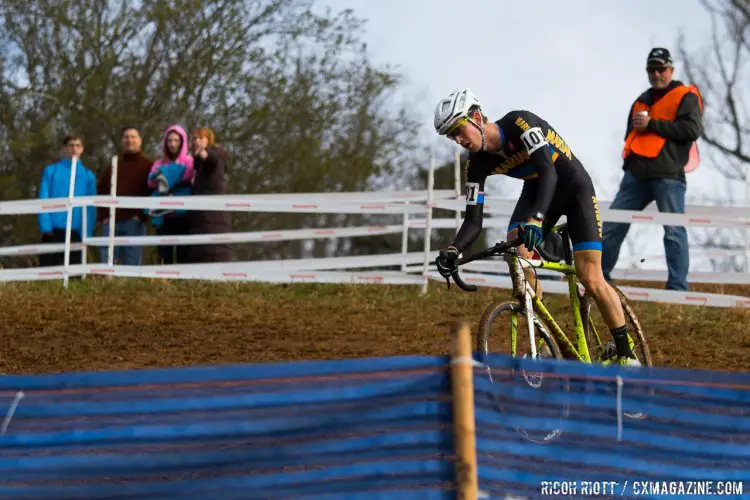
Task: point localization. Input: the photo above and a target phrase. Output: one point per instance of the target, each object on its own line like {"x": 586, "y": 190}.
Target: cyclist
{"x": 524, "y": 146}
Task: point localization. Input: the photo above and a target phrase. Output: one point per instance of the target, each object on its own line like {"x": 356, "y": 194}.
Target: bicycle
{"x": 553, "y": 341}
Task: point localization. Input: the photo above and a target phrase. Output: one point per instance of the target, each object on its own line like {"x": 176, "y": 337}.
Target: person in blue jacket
{"x": 56, "y": 184}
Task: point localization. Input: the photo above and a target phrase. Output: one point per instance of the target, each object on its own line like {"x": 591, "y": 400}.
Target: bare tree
{"x": 720, "y": 70}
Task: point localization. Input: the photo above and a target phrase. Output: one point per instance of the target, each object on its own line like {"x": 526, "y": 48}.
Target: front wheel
{"x": 540, "y": 396}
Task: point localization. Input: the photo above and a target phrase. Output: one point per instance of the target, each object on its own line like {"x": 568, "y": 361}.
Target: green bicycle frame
{"x": 580, "y": 349}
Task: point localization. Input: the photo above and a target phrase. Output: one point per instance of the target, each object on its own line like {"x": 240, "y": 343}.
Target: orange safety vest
{"x": 648, "y": 143}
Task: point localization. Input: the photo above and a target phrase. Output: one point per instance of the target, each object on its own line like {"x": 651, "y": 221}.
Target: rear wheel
{"x": 602, "y": 346}
{"x": 503, "y": 329}
{"x": 599, "y": 339}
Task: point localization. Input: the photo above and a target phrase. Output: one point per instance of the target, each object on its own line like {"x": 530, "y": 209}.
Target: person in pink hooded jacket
{"x": 172, "y": 175}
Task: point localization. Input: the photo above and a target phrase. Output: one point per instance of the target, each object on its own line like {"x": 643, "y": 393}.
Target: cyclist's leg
{"x": 584, "y": 223}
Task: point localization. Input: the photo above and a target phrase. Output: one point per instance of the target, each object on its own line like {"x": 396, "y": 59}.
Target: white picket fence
{"x": 415, "y": 268}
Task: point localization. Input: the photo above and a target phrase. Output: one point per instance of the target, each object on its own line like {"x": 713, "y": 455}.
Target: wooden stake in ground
{"x": 464, "y": 432}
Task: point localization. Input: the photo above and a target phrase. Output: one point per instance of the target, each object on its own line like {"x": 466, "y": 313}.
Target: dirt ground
{"x": 104, "y": 324}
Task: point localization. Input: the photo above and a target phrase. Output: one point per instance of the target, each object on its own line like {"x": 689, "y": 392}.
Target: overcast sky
{"x": 579, "y": 64}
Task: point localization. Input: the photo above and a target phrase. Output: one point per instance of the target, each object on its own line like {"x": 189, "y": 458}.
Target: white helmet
{"x": 452, "y": 108}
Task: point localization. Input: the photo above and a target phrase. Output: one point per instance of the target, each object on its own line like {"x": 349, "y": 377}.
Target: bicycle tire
{"x": 489, "y": 316}
{"x": 634, "y": 324}
{"x": 634, "y": 327}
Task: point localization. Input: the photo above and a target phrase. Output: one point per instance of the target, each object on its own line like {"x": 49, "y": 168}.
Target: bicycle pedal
{"x": 608, "y": 351}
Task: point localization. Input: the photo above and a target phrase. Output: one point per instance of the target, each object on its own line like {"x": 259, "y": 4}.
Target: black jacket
{"x": 680, "y": 134}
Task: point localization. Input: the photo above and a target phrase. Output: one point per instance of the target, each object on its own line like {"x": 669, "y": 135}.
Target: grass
{"x": 102, "y": 324}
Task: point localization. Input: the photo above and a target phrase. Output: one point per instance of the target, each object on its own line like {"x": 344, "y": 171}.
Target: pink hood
{"x": 183, "y": 158}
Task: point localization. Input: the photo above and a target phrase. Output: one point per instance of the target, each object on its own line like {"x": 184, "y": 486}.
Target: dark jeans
{"x": 127, "y": 255}
{"x": 58, "y": 259}
{"x": 634, "y": 194}
{"x": 175, "y": 225}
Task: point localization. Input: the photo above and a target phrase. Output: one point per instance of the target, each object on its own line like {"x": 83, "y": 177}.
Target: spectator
{"x": 132, "y": 175}
{"x": 211, "y": 178}
{"x": 172, "y": 176}
{"x": 56, "y": 184}
{"x": 663, "y": 125}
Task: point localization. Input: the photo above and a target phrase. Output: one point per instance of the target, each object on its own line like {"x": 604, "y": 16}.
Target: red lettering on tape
{"x": 228, "y": 205}
{"x": 167, "y": 273}
{"x": 269, "y": 236}
{"x": 325, "y": 231}
{"x": 372, "y": 206}
{"x": 170, "y": 240}
{"x": 639, "y": 294}
{"x": 49, "y": 273}
{"x": 235, "y": 275}
{"x": 304, "y": 206}
{"x": 700, "y": 221}
{"x": 374, "y": 279}
{"x": 172, "y": 203}
{"x": 642, "y": 217}
{"x": 102, "y": 271}
{"x": 695, "y": 298}
{"x": 302, "y": 276}
{"x": 52, "y": 207}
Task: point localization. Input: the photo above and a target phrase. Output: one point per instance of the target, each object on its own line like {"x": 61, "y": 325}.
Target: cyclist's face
{"x": 467, "y": 135}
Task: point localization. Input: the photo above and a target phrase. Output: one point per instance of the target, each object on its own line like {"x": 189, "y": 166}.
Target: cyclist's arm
{"x": 472, "y": 225}
{"x": 536, "y": 145}
{"x": 470, "y": 229}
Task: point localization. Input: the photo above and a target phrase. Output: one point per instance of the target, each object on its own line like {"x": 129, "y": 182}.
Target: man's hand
{"x": 447, "y": 262}
{"x": 640, "y": 122}
{"x": 531, "y": 232}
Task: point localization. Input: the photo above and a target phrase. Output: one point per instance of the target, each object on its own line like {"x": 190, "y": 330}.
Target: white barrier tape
{"x": 694, "y": 277}
{"x": 218, "y": 274}
{"x": 500, "y": 266}
{"x": 249, "y": 237}
{"x": 697, "y": 216}
{"x": 509, "y": 204}
{"x": 213, "y": 203}
{"x": 226, "y": 273}
{"x": 628, "y": 216}
{"x": 38, "y": 249}
{"x": 376, "y": 278}
{"x": 326, "y": 263}
{"x": 340, "y": 197}
{"x": 632, "y": 293}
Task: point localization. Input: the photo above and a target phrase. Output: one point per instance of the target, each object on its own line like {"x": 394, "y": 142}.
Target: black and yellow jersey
{"x": 531, "y": 149}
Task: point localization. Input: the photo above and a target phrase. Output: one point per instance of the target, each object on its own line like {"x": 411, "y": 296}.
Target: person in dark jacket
{"x": 663, "y": 125}
{"x": 132, "y": 172}
{"x": 211, "y": 163}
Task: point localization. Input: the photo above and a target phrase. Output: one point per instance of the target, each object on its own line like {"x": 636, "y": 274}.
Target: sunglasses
{"x": 454, "y": 128}
{"x": 659, "y": 69}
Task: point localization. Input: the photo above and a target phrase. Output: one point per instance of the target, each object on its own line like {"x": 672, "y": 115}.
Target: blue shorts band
{"x": 588, "y": 245}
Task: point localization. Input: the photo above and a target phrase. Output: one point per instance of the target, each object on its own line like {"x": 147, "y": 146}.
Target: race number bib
{"x": 533, "y": 139}
{"x": 473, "y": 195}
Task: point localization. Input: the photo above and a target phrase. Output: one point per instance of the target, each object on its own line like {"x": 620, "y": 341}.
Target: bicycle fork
{"x": 522, "y": 291}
